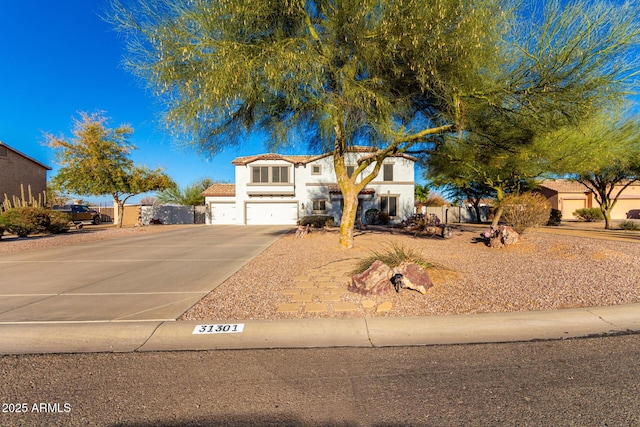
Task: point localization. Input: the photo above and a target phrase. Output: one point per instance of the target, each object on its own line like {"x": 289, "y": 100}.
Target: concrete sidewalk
{"x": 79, "y": 337}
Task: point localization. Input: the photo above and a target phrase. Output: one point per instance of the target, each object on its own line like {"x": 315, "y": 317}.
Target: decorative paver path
{"x": 322, "y": 289}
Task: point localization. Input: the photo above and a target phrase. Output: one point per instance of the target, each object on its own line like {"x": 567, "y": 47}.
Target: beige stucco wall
{"x": 16, "y": 170}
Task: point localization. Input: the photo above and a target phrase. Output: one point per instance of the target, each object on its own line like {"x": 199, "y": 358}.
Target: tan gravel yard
{"x": 546, "y": 271}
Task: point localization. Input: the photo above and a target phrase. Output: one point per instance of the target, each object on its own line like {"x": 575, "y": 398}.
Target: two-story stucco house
{"x": 19, "y": 172}
{"x": 281, "y": 189}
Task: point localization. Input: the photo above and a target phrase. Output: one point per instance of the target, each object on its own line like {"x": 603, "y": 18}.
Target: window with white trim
{"x": 320, "y": 206}
{"x": 269, "y": 174}
{"x": 387, "y": 172}
{"x": 389, "y": 205}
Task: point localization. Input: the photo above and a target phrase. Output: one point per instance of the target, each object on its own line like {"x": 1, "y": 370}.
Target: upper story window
{"x": 350, "y": 170}
{"x": 4, "y": 153}
{"x": 316, "y": 169}
{"x": 270, "y": 174}
{"x": 387, "y": 172}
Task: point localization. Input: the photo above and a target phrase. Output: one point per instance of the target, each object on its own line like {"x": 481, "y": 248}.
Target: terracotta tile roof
{"x": 220, "y": 190}
{"x": 335, "y": 189}
{"x": 304, "y": 159}
{"x": 563, "y": 186}
{"x": 295, "y": 159}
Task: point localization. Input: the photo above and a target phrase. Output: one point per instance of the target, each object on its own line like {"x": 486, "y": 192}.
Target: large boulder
{"x": 409, "y": 275}
{"x": 502, "y": 235}
{"x": 372, "y": 281}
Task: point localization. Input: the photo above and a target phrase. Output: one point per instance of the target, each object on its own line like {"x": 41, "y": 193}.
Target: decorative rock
{"x": 409, "y": 275}
{"x": 385, "y": 306}
{"x": 501, "y": 236}
{"x": 372, "y": 281}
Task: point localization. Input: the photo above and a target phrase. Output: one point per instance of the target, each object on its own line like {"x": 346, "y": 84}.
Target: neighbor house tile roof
{"x": 563, "y": 186}
{"x": 220, "y": 190}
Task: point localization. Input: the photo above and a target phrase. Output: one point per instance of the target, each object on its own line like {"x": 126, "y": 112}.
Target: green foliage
{"x": 189, "y": 196}
{"x": 376, "y": 217}
{"x": 629, "y": 225}
{"x": 526, "y": 210}
{"x": 59, "y": 222}
{"x": 555, "y": 217}
{"x": 393, "y": 255}
{"x": 95, "y": 162}
{"x": 316, "y": 221}
{"x": 589, "y": 214}
{"x": 399, "y": 76}
{"x": 25, "y": 220}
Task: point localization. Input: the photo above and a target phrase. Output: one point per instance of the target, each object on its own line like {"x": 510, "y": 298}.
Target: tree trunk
{"x": 120, "y": 213}
{"x": 607, "y": 219}
{"x": 348, "y": 220}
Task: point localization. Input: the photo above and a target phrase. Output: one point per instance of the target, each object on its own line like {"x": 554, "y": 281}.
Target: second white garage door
{"x": 272, "y": 213}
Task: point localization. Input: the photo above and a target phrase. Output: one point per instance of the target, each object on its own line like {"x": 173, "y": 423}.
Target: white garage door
{"x": 223, "y": 213}
{"x": 272, "y": 213}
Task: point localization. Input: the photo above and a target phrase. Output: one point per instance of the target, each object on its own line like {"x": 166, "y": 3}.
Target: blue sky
{"x": 59, "y": 58}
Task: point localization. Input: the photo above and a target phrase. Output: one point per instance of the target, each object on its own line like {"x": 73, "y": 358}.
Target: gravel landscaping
{"x": 544, "y": 272}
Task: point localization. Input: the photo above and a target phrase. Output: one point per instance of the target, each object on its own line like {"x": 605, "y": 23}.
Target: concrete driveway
{"x": 151, "y": 277}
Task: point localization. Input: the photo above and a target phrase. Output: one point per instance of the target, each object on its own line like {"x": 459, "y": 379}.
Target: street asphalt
{"x": 125, "y": 296}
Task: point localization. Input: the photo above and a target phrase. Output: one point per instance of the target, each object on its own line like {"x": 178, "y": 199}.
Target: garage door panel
{"x": 223, "y": 213}
{"x": 272, "y": 213}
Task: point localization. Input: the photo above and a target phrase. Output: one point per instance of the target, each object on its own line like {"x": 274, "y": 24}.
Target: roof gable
{"x": 305, "y": 159}
{"x": 220, "y": 190}
{"x": 25, "y": 156}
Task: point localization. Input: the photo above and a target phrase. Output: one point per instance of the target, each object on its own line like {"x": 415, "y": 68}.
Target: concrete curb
{"x": 30, "y": 338}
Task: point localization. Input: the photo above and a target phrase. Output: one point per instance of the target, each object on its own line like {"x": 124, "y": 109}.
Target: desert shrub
{"x": 589, "y": 214}
{"x": 435, "y": 200}
{"x": 383, "y": 218}
{"x": 555, "y": 217}
{"x": 317, "y": 221}
{"x": 59, "y": 222}
{"x": 393, "y": 255}
{"x": 526, "y": 210}
{"x": 372, "y": 216}
{"x": 25, "y": 220}
{"x": 1, "y": 231}
{"x": 629, "y": 225}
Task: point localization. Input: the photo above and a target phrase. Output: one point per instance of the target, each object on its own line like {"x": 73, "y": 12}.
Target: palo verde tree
{"x": 387, "y": 75}
{"x": 609, "y": 160}
{"x": 392, "y": 75}
{"x": 95, "y": 162}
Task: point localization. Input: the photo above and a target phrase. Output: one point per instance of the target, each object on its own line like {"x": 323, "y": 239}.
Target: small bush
{"x": 589, "y": 214}
{"x": 629, "y": 225}
{"x": 1, "y": 231}
{"x": 526, "y": 210}
{"x": 25, "y": 220}
{"x": 393, "y": 256}
{"x": 59, "y": 222}
{"x": 316, "y": 221}
{"x": 555, "y": 217}
{"x": 372, "y": 216}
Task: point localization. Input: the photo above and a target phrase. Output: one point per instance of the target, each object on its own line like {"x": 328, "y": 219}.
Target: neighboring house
{"x": 281, "y": 189}
{"x": 17, "y": 168}
{"x": 569, "y": 196}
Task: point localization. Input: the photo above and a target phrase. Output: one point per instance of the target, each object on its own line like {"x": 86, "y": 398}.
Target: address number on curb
{"x": 232, "y": 328}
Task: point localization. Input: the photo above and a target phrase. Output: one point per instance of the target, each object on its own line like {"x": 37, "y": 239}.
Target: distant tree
{"x": 95, "y": 162}
{"x": 190, "y": 195}
{"x": 611, "y": 160}
{"x": 420, "y": 194}
{"x": 392, "y": 75}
